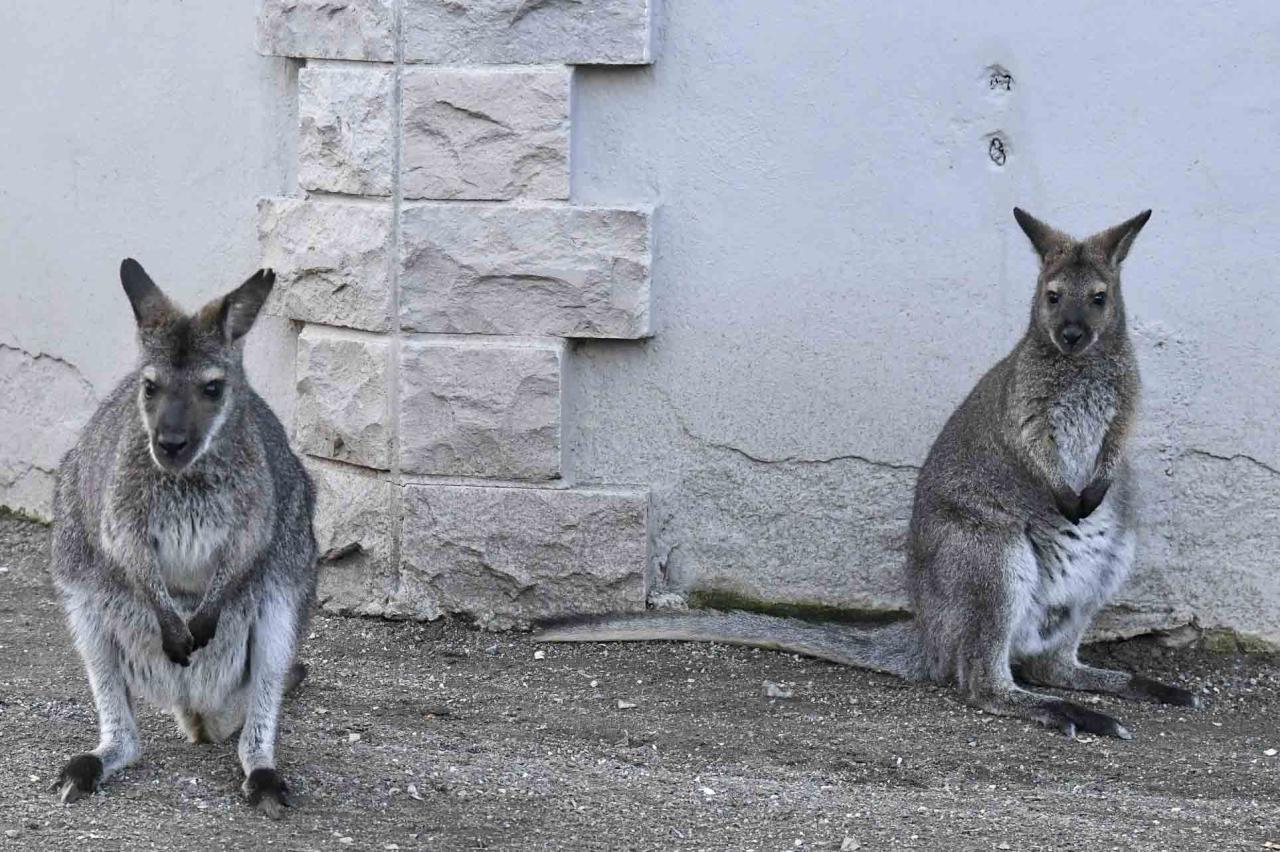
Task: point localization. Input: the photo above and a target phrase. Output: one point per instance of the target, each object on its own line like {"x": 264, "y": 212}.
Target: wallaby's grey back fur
{"x": 182, "y": 550}
{"x": 1023, "y": 522}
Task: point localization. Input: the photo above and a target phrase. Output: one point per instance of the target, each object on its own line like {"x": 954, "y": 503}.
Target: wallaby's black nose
{"x": 1072, "y": 334}
{"x": 171, "y": 445}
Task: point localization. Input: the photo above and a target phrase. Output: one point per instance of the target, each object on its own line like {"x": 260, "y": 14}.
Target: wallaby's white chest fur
{"x": 185, "y": 548}
{"x": 1080, "y": 419}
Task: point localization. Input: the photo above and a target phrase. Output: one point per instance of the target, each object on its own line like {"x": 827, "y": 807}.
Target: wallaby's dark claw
{"x": 1073, "y": 718}
{"x": 267, "y": 792}
{"x": 79, "y": 778}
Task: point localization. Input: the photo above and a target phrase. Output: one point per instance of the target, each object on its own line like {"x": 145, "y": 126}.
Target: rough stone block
{"x": 343, "y": 409}
{"x": 346, "y": 140}
{"x": 479, "y": 408}
{"x": 486, "y": 133}
{"x": 510, "y": 556}
{"x": 354, "y": 532}
{"x": 324, "y": 29}
{"x": 582, "y": 32}
{"x": 331, "y": 258}
{"x": 525, "y": 269}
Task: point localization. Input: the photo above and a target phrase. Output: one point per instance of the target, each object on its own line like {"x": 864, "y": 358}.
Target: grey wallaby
{"x": 1023, "y": 522}
{"x": 182, "y": 544}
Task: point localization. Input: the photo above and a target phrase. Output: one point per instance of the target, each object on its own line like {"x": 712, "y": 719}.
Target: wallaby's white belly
{"x": 1065, "y": 577}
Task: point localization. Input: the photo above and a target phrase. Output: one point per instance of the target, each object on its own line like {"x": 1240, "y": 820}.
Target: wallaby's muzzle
{"x": 1072, "y": 338}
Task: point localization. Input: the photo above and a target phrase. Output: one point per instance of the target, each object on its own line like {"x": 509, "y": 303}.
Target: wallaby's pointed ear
{"x": 240, "y": 307}
{"x": 1044, "y": 239}
{"x": 1115, "y": 242}
{"x": 150, "y": 306}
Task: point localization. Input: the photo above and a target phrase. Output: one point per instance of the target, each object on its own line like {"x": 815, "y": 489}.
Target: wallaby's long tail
{"x": 893, "y": 648}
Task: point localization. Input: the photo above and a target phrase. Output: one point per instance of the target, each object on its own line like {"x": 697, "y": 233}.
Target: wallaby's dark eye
{"x": 1053, "y": 296}
{"x": 1099, "y": 298}
{"x": 213, "y": 390}
{"x": 148, "y": 388}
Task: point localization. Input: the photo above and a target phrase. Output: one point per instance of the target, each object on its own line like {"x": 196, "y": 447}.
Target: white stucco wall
{"x": 837, "y": 264}
{"x": 144, "y": 128}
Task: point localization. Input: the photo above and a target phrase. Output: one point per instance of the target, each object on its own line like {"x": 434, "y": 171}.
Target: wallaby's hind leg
{"x": 980, "y": 629}
{"x": 1063, "y": 670}
{"x": 270, "y": 663}
{"x": 118, "y": 741}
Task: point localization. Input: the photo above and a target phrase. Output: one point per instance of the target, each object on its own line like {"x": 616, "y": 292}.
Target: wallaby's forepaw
{"x": 1145, "y": 687}
{"x": 1071, "y": 719}
{"x": 1068, "y": 503}
{"x": 203, "y": 625}
{"x": 79, "y": 778}
{"x": 267, "y": 792}
{"x": 1092, "y": 496}
{"x": 177, "y": 645}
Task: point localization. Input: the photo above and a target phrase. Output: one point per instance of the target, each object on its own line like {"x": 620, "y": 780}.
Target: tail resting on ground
{"x": 892, "y": 648}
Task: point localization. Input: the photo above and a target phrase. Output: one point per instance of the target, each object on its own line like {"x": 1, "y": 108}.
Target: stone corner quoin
{"x": 547, "y": 269}
{"x": 332, "y": 260}
{"x": 321, "y": 29}
{"x": 594, "y": 32}
{"x": 509, "y": 557}
{"x": 481, "y": 133}
{"x": 343, "y": 410}
{"x": 445, "y": 32}
{"x": 482, "y": 409}
{"x": 346, "y": 138}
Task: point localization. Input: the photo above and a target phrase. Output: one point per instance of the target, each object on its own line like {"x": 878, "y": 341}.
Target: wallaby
{"x": 1023, "y": 521}
{"x": 182, "y": 544}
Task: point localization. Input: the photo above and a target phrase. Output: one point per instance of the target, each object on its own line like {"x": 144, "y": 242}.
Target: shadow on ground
{"x": 413, "y": 736}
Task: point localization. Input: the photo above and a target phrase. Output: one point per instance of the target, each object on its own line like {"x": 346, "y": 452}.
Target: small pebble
{"x": 353, "y": 737}
{"x": 539, "y": 655}
{"x": 773, "y": 690}
{"x": 849, "y": 845}
{"x": 625, "y": 705}
{"x": 1270, "y": 752}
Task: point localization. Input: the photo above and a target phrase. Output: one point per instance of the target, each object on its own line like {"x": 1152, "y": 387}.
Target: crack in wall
{"x": 45, "y": 356}
{"x": 1194, "y": 451}
{"x": 799, "y": 460}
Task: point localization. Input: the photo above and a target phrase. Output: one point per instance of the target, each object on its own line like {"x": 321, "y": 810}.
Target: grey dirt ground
{"x": 411, "y": 736}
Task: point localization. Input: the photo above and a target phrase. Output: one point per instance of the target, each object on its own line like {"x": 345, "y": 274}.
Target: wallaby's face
{"x": 1078, "y": 300}
{"x": 192, "y": 374}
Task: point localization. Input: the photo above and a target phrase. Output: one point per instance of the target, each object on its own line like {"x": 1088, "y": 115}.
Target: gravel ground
{"x": 417, "y": 736}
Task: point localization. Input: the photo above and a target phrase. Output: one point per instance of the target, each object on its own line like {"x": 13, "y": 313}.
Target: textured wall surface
{"x": 837, "y": 264}
{"x": 123, "y": 135}
{"x": 830, "y": 265}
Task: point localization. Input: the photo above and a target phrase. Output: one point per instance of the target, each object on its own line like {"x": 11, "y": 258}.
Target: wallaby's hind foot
{"x": 267, "y": 792}
{"x": 79, "y": 778}
{"x": 1144, "y": 688}
{"x": 1056, "y": 713}
{"x": 1063, "y": 671}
